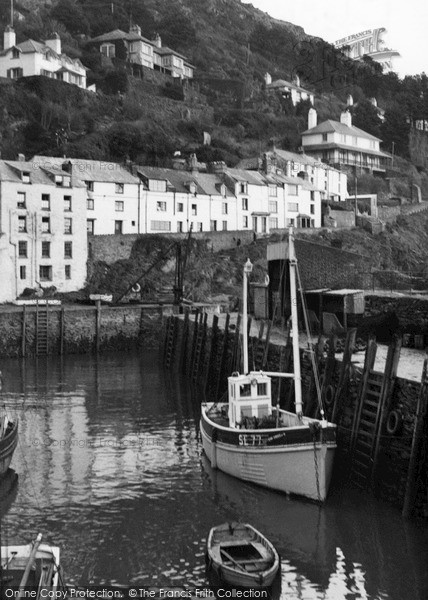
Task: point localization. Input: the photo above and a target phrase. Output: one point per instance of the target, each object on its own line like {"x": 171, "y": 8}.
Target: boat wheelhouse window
{"x": 261, "y": 389}
{"x": 246, "y": 411}
{"x": 245, "y": 390}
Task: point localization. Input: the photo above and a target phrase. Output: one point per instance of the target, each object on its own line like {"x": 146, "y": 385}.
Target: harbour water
{"x": 110, "y": 469}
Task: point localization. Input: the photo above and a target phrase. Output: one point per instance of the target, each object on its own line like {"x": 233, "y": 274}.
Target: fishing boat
{"x": 8, "y": 442}
{"x": 240, "y": 555}
{"x": 251, "y": 439}
{"x": 32, "y": 566}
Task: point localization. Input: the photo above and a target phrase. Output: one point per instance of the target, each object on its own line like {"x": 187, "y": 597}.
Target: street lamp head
{"x": 248, "y": 267}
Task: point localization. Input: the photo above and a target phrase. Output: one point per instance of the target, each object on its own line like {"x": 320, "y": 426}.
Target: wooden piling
{"x": 184, "y": 340}
{"x": 213, "y": 356}
{"x": 97, "y": 325}
{"x": 223, "y": 360}
{"x": 24, "y": 332}
{"x": 344, "y": 373}
{"x": 417, "y": 442}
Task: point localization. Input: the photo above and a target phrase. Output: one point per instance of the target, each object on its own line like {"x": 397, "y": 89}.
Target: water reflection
{"x": 110, "y": 468}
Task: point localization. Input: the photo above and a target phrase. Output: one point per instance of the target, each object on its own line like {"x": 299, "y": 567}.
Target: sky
{"x": 405, "y": 23}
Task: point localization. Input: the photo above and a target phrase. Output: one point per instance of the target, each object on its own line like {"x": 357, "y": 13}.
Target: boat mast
{"x": 248, "y": 267}
{"x": 294, "y": 324}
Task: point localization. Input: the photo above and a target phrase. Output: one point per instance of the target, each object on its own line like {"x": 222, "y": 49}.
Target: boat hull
{"x": 242, "y": 536}
{"x": 298, "y": 467}
{"x": 7, "y": 447}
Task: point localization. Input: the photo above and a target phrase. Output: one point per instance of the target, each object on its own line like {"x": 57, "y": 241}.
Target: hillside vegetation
{"x": 232, "y": 46}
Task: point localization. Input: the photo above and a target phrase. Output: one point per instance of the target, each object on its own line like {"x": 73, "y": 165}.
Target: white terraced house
{"x": 43, "y": 238}
{"x": 31, "y": 58}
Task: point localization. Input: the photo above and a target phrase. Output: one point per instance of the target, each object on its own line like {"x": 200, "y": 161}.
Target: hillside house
{"x": 31, "y": 58}
{"x": 43, "y": 239}
{"x": 287, "y": 89}
{"x": 343, "y": 145}
{"x": 135, "y": 48}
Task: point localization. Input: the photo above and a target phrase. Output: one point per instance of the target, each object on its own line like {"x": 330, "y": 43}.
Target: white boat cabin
{"x": 249, "y": 397}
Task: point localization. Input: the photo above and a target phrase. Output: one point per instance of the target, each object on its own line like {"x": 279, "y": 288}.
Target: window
{"x": 312, "y": 209}
{"x": 312, "y": 196}
{"x": 324, "y": 137}
{"x": 180, "y": 207}
{"x": 67, "y": 203}
{"x": 68, "y": 250}
{"x": 213, "y": 225}
{"x": 157, "y": 185}
{"x": 118, "y": 205}
{"x": 194, "y": 210}
{"x": 293, "y": 190}
{"x": 118, "y": 188}
{"x": 21, "y": 200}
{"x": 45, "y": 273}
{"x": 46, "y": 249}
{"x": 89, "y": 186}
{"x": 161, "y": 206}
{"x": 264, "y": 224}
{"x": 133, "y": 223}
{"x": 46, "y": 202}
{"x": 160, "y": 225}
{"x": 22, "y": 272}
{"x": 290, "y": 222}
{"x": 118, "y": 227}
{"x": 224, "y": 208}
{"x": 261, "y": 389}
{"x": 22, "y": 224}
{"x": 224, "y": 225}
{"x": 293, "y": 207}
{"x": 242, "y": 188}
{"x": 67, "y": 270}
{"x": 244, "y": 203}
{"x": 90, "y": 226}
{"x": 199, "y": 227}
{"x": 22, "y": 249}
{"x": 273, "y": 206}
{"x": 15, "y": 73}
{"x": 25, "y": 176}
{"x": 273, "y": 191}
{"x": 244, "y": 222}
{"x": 46, "y": 225}
{"x": 273, "y": 223}
{"x": 245, "y": 390}
{"x": 90, "y": 205}
{"x": 15, "y": 53}
{"x": 179, "y": 226}
{"x": 68, "y": 225}
{"x": 108, "y": 50}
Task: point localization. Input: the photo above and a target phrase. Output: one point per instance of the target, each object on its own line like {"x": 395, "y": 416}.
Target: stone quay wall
{"x": 78, "y": 330}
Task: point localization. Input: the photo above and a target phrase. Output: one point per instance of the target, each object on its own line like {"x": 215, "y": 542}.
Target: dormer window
{"x": 119, "y": 188}
{"x": 90, "y": 186}
{"x": 62, "y": 181}
{"x": 15, "y": 53}
{"x": 192, "y": 187}
{"x": 223, "y": 190}
{"x": 25, "y": 176}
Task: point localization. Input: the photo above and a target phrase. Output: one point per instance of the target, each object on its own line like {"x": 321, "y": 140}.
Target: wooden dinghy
{"x": 240, "y": 555}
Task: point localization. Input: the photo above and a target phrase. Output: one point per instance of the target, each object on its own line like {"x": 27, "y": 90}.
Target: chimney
{"x": 21, "y": 157}
{"x": 349, "y": 100}
{"x": 135, "y": 29}
{"x": 268, "y": 78}
{"x": 193, "y": 164}
{"x": 346, "y": 118}
{"x": 218, "y": 166}
{"x": 312, "y": 118}
{"x": 9, "y": 38}
{"x": 288, "y": 171}
{"x": 157, "y": 41}
{"x": 296, "y": 80}
{"x": 54, "y": 43}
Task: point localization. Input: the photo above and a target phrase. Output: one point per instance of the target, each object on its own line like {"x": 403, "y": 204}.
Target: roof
{"x": 31, "y": 46}
{"x": 281, "y": 83}
{"x": 87, "y": 170}
{"x": 164, "y": 50}
{"x": 206, "y": 183}
{"x": 329, "y": 126}
{"x": 252, "y": 163}
{"x": 10, "y": 170}
{"x": 118, "y": 34}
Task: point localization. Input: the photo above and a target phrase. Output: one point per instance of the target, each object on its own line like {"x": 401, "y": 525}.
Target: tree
{"x": 365, "y": 116}
{"x": 395, "y": 131}
{"x": 72, "y": 16}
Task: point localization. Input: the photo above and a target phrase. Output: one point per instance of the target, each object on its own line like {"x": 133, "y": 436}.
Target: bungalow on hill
{"x": 343, "y": 145}
{"x": 294, "y": 91}
{"x": 31, "y": 58}
{"x": 135, "y": 48}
